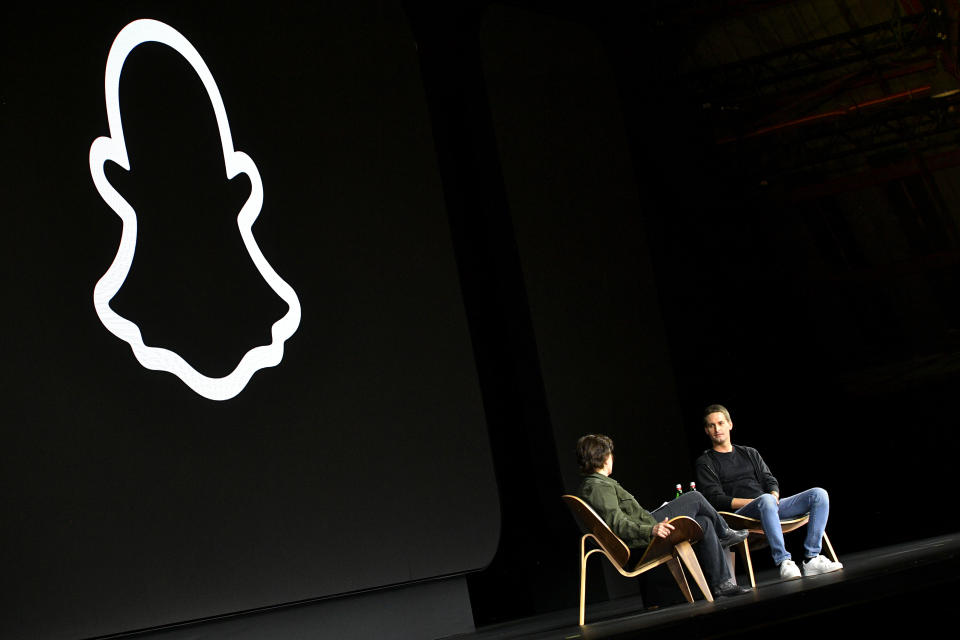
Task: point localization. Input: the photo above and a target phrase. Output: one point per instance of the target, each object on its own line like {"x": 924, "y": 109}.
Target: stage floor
{"x": 910, "y": 587}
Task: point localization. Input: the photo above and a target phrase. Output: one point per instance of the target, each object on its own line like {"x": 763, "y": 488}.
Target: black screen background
{"x": 361, "y": 460}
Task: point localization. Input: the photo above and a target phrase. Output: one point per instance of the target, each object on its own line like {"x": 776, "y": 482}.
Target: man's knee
{"x": 692, "y": 503}
{"x": 767, "y": 502}
{"x": 702, "y": 502}
{"x": 819, "y": 496}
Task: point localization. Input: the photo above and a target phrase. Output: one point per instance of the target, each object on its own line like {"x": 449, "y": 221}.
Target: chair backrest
{"x": 591, "y": 521}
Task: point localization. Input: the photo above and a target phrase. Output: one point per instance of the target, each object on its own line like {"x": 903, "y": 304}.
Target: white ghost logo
{"x": 113, "y": 148}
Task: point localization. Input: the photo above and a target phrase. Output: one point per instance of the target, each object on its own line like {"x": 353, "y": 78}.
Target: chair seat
{"x": 684, "y": 528}
{"x": 737, "y": 521}
{"x": 758, "y": 538}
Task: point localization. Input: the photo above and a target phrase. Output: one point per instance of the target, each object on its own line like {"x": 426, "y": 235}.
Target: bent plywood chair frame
{"x": 758, "y": 539}
{"x": 672, "y": 550}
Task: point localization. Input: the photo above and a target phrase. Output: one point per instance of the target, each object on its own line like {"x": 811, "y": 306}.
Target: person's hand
{"x": 776, "y": 496}
{"x": 663, "y": 529}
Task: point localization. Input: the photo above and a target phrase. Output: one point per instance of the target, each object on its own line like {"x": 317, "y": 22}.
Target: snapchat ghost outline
{"x": 113, "y": 148}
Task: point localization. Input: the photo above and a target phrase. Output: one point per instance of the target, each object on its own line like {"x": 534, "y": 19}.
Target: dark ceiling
{"x": 809, "y": 91}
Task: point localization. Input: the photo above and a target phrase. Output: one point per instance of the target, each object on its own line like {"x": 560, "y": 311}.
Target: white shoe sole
{"x": 820, "y": 573}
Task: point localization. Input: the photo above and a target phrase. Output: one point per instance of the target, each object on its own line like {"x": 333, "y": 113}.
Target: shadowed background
{"x": 509, "y": 224}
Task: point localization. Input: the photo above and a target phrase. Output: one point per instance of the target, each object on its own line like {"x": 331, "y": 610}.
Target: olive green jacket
{"x": 623, "y": 514}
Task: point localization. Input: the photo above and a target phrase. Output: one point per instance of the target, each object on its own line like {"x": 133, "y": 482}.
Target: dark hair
{"x": 592, "y": 452}
{"x": 716, "y": 408}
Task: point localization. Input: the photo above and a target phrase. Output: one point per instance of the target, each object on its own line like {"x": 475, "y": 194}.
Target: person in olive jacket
{"x": 637, "y": 526}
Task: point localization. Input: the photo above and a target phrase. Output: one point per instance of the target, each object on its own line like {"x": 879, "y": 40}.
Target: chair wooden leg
{"x": 583, "y": 582}
{"x": 681, "y": 579}
{"x": 746, "y": 552}
{"x": 693, "y": 566}
{"x": 833, "y": 554}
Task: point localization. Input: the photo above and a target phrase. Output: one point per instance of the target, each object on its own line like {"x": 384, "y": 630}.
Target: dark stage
{"x": 307, "y": 305}
{"x": 907, "y": 586}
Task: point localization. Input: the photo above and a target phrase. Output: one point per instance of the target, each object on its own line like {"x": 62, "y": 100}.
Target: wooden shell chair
{"x": 758, "y": 539}
{"x": 671, "y": 551}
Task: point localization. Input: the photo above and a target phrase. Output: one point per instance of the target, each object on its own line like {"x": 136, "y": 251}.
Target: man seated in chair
{"x": 735, "y": 478}
{"x": 637, "y": 527}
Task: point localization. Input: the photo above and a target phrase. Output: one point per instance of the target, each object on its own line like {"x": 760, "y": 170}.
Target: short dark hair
{"x": 716, "y": 408}
{"x": 592, "y": 452}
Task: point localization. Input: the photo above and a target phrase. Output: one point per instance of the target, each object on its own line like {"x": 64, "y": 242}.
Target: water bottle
{"x": 679, "y": 491}
{"x": 693, "y": 486}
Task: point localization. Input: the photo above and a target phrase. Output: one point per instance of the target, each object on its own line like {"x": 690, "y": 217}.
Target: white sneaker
{"x": 789, "y": 570}
{"x": 820, "y": 564}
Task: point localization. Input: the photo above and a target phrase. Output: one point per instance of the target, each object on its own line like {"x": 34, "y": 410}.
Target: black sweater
{"x": 743, "y": 474}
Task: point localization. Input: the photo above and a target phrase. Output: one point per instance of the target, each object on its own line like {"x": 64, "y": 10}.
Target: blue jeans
{"x": 815, "y": 501}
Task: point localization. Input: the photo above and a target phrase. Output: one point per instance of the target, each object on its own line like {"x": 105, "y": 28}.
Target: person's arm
{"x": 635, "y": 532}
{"x": 709, "y": 484}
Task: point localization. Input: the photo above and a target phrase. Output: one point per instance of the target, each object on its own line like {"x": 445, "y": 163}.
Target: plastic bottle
{"x": 679, "y": 491}
{"x": 693, "y": 486}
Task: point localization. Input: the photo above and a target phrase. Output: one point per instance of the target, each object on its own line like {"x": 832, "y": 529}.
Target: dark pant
{"x": 709, "y": 552}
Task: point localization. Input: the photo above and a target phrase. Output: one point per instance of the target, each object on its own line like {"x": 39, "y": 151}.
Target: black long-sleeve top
{"x": 742, "y": 473}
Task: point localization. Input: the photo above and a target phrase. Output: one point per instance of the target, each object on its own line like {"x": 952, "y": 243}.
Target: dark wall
{"x": 579, "y": 219}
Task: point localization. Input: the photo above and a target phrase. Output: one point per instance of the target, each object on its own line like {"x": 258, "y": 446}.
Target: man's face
{"x": 718, "y": 429}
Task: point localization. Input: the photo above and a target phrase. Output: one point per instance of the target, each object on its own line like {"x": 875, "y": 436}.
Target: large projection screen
{"x": 353, "y": 457}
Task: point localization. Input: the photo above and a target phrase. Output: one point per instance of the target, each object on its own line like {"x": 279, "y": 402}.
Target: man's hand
{"x": 663, "y": 529}
{"x": 776, "y": 495}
